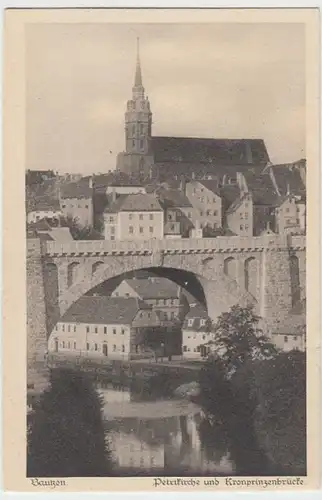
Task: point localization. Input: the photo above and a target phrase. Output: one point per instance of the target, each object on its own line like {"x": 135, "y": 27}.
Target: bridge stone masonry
{"x": 267, "y": 271}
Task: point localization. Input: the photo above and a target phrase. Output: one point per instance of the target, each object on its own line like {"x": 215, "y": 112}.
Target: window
{"x": 87, "y": 346}
{"x": 295, "y": 337}
{"x": 297, "y": 209}
{"x": 68, "y": 345}
{"x": 151, "y": 229}
{"x": 204, "y": 337}
{"x": 184, "y": 348}
{"x": 63, "y": 206}
{"x": 74, "y": 328}
{"x": 122, "y": 331}
{"x": 86, "y": 206}
{"x": 198, "y": 348}
{"x": 172, "y": 227}
{"x": 214, "y": 200}
{"x": 202, "y": 199}
{"x": 95, "y": 346}
{"x": 105, "y": 330}
{"x": 141, "y": 229}
{"x": 215, "y": 212}
{"x": 112, "y": 237}
{"x": 96, "y": 329}
{"x": 114, "y": 347}
{"x": 113, "y": 229}
{"x": 215, "y": 225}
{"x": 114, "y": 331}
{"x": 63, "y": 344}
{"x": 151, "y": 216}
{"x": 133, "y": 143}
{"x": 286, "y": 339}
{"x": 190, "y": 321}
{"x": 141, "y": 216}
{"x": 246, "y": 226}
{"x": 202, "y": 322}
{"x": 241, "y": 216}
{"x": 87, "y": 329}
{"x": 141, "y": 124}
{"x": 208, "y": 212}
{"x": 111, "y": 219}
{"x": 141, "y": 143}
{"x": 130, "y": 216}
{"x": 131, "y": 229}
{"x": 68, "y": 328}
{"x": 74, "y": 345}
{"x": 287, "y": 209}
{"x": 123, "y": 348}
{"x": 56, "y": 328}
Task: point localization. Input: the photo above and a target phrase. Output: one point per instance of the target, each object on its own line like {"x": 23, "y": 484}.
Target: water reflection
{"x": 165, "y": 443}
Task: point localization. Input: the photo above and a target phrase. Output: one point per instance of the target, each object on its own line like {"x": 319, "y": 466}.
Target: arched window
{"x": 230, "y": 268}
{"x": 251, "y": 274}
{"x": 72, "y": 271}
{"x": 295, "y": 280}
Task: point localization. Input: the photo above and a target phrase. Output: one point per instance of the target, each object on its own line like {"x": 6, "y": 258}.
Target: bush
{"x": 66, "y": 436}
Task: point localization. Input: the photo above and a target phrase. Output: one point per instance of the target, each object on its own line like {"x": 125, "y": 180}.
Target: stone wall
{"x": 36, "y": 318}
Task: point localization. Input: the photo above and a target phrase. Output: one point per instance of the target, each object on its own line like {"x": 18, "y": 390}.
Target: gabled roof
{"x": 154, "y": 288}
{"x": 103, "y": 310}
{"x": 136, "y": 202}
{"x": 195, "y": 314}
{"x": 227, "y": 151}
{"x": 238, "y": 203}
{"x": 288, "y": 178}
{"x": 261, "y": 187}
{"x": 212, "y": 185}
{"x": 76, "y": 190}
{"x": 173, "y": 198}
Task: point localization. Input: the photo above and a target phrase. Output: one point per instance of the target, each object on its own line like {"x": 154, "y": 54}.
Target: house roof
{"x": 173, "y": 198}
{"x": 116, "y": 178}
{"x": 154, "y": 288}
{"x": 229, "y": 194}
{"x": 195, "y": 314}
{"x": 238, "y": 202}
{"x": 75, "y": 190}
{"x": 44, "y": 204}
{"x": 211, "y": 184}
{"x": 227, "y": 151}
{"x": 288, "y": 178}
{"x": 136, "y": 202}
{"x": 103, "y": 310}
{"x": 261, "y": 187}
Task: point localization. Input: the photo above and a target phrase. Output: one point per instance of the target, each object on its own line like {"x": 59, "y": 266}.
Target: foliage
{"x": 280, "y": 385}
{"x": 238, "y": 338}
{"x": 78, "y": 231}
{"x": 66, "y": 436}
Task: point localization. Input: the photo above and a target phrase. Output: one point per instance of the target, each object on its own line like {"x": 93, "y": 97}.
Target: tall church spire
{"x": 138, "y": 73}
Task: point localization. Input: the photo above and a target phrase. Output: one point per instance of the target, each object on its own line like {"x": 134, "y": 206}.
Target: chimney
{"x": 183, "y": 184}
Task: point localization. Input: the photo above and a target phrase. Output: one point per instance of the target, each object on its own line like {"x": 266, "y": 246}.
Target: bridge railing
{"x": 221, "y": 243}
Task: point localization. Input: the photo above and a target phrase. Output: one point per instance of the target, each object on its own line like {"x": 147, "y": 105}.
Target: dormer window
{"x": 190, "y": 321}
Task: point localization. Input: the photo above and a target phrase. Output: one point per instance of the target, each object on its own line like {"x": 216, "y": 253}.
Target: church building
{"x": 150, "y": 158}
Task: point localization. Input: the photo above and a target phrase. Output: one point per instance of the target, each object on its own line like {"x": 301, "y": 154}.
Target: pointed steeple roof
{"x": 138, "y": 73}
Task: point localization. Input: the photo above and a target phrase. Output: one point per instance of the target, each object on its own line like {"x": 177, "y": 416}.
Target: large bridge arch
{"x": 217, "y": 290}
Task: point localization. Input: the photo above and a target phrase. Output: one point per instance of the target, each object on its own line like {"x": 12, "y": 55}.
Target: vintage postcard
{"x": 161, "y": 250}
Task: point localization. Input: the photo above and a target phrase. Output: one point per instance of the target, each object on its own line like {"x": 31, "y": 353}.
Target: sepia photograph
{"x": 165, "y": 234}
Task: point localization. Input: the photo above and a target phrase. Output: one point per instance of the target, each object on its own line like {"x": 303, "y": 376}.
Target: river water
{"x": 158, "y": 434}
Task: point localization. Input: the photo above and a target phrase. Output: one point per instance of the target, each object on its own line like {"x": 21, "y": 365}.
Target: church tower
{"x": 138, "y": 116}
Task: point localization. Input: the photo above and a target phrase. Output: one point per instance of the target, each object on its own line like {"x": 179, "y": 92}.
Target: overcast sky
{"x": 213, "y": 80}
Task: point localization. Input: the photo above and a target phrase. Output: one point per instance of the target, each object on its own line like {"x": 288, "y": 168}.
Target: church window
{"x": 131, "y": 229}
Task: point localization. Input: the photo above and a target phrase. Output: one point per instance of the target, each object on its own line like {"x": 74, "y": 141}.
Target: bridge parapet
{"x": 181, "y": 246}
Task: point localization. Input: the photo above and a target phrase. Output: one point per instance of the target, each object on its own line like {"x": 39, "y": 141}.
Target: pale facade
{"x": 37, "y": 215}
{"x": 287, "y": 217}
{"x": 134, "y": 217}
{"x": 195, "y": 333}
{"x": 239, "y": 216}
{"x": 79, "y": 209}
{"x": 206, "y": 201}
{"x": 289, "y": 342}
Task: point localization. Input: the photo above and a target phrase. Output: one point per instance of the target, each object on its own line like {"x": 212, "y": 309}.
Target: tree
{"x": 238, "y": 338}
{"x": 66, "y": 435}
{"x": 78, "y": 231}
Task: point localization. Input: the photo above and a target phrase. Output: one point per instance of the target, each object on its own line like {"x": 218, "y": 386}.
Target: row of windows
{"x": 71, "y": 205}
{"x": 89, "y": 329}
{"x": 141, "y": 229}
{"x": 191, "y": 320}
{"x": 203, "y": 337}
{"x": 141, "y": 143}
{"x": 243, "y": 215}
{"x": 97, "y": 347}
{"x": 242, "y": 227}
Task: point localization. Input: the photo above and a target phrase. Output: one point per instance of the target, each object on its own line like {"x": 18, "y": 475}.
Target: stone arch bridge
{"x": 267, "y": 271}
